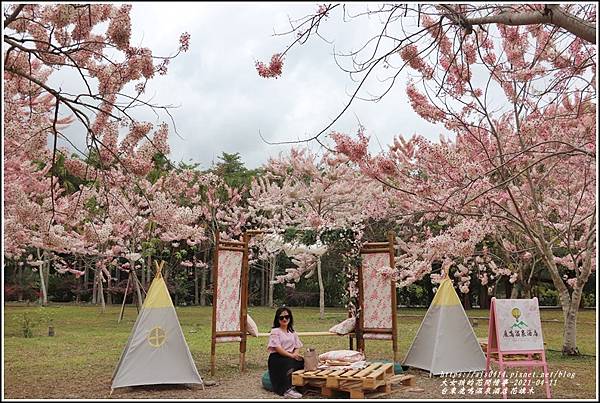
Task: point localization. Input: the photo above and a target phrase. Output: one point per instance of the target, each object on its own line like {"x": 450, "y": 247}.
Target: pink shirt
{"x": 286, "y": 340}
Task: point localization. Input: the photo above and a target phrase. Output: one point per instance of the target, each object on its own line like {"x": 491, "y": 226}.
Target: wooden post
{"x": 391, "y": 240}
{"x": 360, "y": 342}
{"x": 244, "y": 302}
{"x": 215, "y": 278}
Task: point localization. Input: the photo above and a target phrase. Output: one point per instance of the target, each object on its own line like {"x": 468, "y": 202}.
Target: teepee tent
{"x": 445, "y": 341}
{"x": 156, "y": 352}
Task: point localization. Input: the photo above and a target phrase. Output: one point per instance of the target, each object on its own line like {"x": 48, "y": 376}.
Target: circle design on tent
{"x": 157, "y": 337}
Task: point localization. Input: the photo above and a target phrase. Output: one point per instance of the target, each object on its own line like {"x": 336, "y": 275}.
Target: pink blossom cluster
{"x": 410, "y": 54}
{"x": 273, "y": 70}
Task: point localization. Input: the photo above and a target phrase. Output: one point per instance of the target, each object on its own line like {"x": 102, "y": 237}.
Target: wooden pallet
{"x": 376, "y": 378}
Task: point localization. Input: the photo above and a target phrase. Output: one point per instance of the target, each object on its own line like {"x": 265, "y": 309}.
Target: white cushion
{"x": 342, "y": 355}
{"x": 344, "y": 327}
{"x": 251, "y": 327}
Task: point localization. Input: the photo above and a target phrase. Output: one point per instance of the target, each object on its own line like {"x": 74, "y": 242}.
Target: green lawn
{"x": 87, "y": 344}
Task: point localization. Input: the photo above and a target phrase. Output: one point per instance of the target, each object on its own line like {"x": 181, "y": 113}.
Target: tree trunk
{"x": 109, "y": 299}
{"x": 508, "y": 289}
{"x": 514, "y": 293}
{"x": 143, "y": 274}
{"x": 321, "y": 290}
{"x": 95, "y": 287}
{"x": 569, "y": 303}
{"x": 149, "y": 268}
{"x": 466, "y": 301}
{"x": 101, "y": 290}
{"x": 79, "y": 289}
{"x": 44, "y": 296}
{"x": 20, "y": 281}
{"x": 196, "y": 288}
{"x": 570, "y": 327}
{"x": 136, "y": 286}
{"x": 263, "y": 287}
{"x": 203, "y": 286}
{"x": 483, "y": 297}
{"x": 46, "y": 274}
{"x": 86, "y": 277}
{"x": 271, "y": 279}
{"x": 166, "y": 272}
{"x": 526, "y": 288}
{"x": 43, "y": 284}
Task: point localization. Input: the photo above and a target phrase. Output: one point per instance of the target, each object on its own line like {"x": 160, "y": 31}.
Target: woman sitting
{"x": 285, "y": 358}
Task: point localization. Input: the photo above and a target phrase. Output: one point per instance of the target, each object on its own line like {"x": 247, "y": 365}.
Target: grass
{"x": 88, "y": 344}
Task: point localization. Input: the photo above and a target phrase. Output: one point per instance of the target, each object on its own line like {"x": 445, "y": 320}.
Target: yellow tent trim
{"x": 445, "y": 295}
{"x": 158, "y": 295}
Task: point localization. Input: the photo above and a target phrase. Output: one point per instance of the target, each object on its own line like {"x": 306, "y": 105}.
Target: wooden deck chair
{"x": 377, "y": 295}
{"x": 230, "y": 296}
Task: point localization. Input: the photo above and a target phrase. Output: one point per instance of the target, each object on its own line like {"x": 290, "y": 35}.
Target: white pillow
{"x": 342, "y": 355}
{"x": 251, "y": 327}
{"x": 344, "y": 327}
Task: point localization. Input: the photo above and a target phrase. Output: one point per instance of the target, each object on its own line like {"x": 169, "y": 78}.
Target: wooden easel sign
{"x": 516, "y": 328}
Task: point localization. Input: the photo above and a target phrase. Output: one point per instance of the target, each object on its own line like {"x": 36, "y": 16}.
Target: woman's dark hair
{"x": 290, "y": 322}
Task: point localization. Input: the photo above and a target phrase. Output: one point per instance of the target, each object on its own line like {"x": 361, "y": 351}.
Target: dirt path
{"x": 248, "y": 386}
{"x": 245, "y": 386}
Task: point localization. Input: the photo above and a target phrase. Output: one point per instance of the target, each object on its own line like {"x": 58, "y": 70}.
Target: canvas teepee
{"x": 445, "y": 341}
{"x": 156, "y": 352}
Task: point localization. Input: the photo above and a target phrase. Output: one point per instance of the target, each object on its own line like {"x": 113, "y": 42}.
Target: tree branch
{"x": 14, "y": 15}
{"x": 552, "y": 15}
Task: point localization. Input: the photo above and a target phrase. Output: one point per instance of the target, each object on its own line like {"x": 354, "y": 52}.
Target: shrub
{"x": 28, "y": 293}
{"x": 548, "y": 297}
{"x": 62, "y": 288}
{"x": 28, "y": 321}
{"x": 589, "y": 300}
{"x": 413, "y": 295}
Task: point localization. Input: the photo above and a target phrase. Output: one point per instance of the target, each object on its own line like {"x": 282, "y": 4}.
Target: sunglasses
{"x": 282, "y": 317}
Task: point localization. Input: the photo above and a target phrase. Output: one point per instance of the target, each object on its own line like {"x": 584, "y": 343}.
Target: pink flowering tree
{"x": 524, "y": 166}
{"x": 41, "y": 39}
{"x": 304, "y": 194}
{"x": 514, "y": 87}
{"x": 38, "y": 211}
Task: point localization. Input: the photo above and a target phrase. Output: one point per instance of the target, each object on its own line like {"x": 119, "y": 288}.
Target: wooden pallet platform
{"x": 377, "y": 378}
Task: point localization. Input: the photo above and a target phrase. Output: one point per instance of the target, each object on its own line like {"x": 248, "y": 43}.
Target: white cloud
{"x": 222, "y": 102}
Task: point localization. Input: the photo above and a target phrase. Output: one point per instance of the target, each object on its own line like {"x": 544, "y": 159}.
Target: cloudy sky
{"x": 222, "y": 103}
